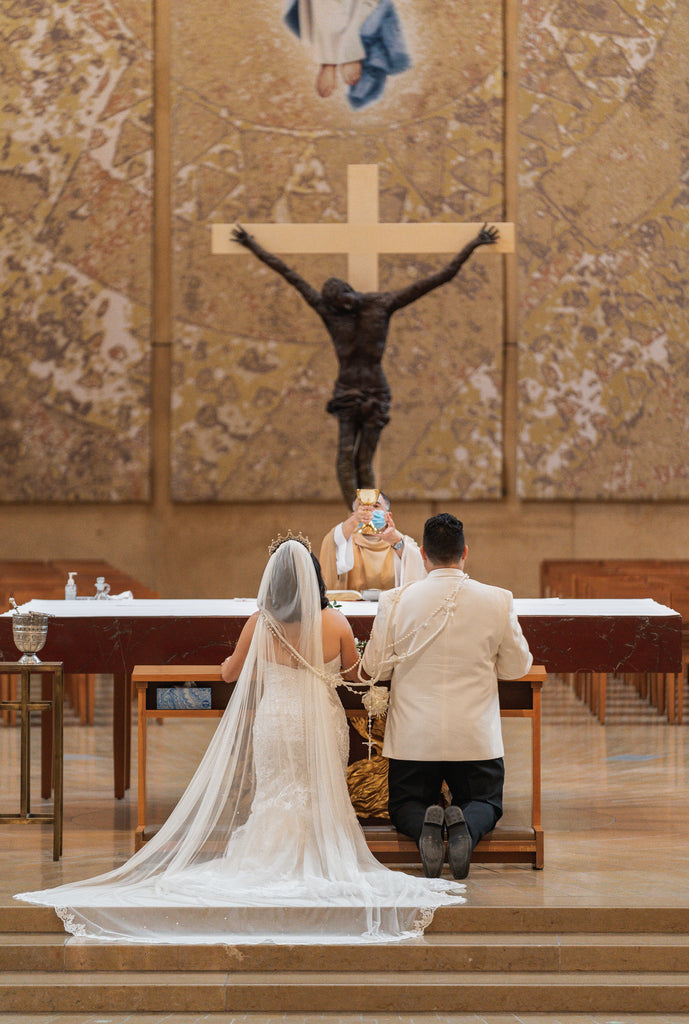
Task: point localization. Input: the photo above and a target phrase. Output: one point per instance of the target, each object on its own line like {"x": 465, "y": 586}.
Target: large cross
{"x": 363, "y": 237}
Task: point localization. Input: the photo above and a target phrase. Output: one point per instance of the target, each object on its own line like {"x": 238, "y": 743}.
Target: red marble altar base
{"x": 114, "y": 644}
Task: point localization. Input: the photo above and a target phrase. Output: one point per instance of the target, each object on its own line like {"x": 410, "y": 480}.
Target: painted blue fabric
{"x": 183, "y": 698}
{"x": 384, "y": 47}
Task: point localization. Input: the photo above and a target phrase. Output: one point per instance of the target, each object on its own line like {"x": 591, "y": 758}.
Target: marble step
{"x": 18, "y": 917}
{"x": 602, "y": 920}
{"x": 594, "y": 953}
{"x": 319, "y": 992}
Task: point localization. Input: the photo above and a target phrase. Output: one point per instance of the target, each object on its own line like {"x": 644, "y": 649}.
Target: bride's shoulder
{"x": 334, "y": 618}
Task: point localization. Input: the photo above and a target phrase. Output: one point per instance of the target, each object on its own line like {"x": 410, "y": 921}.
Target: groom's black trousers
{"x": 476, "y": 787}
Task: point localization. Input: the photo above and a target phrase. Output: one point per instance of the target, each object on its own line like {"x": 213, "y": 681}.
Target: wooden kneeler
{"x": 519, "y": 698}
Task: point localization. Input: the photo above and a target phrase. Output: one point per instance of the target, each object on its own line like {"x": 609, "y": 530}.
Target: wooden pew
{"x": 557, "y": 574}
{"x": 89, "y": 569}
{"x": 666, "y": 582}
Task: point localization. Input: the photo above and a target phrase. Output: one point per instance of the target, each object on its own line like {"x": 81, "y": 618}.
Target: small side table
{"x": 25, "y": 706}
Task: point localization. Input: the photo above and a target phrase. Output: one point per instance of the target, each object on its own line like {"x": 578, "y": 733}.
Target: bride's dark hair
{"x": 321, "y": 582}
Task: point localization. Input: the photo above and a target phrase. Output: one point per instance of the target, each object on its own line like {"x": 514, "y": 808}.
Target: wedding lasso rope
{"x": 331, "y": 678}
{"x": 375, "y": 700}
{"x": 448, "y": 605}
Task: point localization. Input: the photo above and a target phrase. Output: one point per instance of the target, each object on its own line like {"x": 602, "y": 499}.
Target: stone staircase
{"x": 474, "y": 959}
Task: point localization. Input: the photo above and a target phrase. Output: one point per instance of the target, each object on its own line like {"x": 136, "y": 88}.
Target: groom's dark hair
{"x": 443, "y": 539}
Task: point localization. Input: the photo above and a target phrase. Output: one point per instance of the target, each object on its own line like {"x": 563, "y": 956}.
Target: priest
{"x": 352, "y": 560}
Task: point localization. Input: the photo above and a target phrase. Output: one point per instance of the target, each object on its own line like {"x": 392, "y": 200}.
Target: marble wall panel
{"x": 75, "y": 246}
{"x": 604, "y": 204}
{"x": 253, "y": 367}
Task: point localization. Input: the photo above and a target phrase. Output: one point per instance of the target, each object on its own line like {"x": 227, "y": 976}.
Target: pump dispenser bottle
{"x": 71, "y": 588}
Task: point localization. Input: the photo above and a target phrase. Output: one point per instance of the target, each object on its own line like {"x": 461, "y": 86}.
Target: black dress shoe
{"x": 431, "y": 844}
{"x": 459, "y": 847}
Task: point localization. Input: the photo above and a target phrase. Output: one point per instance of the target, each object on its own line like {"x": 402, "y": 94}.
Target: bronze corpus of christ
{"x": 358, "y": 324}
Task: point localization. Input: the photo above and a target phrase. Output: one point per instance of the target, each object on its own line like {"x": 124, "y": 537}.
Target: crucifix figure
{"x": 358, "y": 322}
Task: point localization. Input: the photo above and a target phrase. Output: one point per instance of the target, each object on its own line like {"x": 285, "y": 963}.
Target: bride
{"x": 264, "y": 844}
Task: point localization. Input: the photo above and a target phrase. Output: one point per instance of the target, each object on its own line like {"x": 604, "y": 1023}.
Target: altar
{"x": 111, "y": 637}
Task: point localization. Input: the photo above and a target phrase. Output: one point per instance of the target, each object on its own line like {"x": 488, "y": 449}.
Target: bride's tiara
{"x": 275, "y": 544}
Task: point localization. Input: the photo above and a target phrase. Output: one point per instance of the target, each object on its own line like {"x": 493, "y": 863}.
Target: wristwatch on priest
{"x": 399, "y": 545}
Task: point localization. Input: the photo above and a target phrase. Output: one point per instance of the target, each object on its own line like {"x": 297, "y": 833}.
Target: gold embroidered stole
{"x": 374, "y": 564}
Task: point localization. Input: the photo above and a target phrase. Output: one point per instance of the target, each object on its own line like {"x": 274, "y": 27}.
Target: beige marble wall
{"x": 604, "y": 363}
{"x": 253, "y": 366}
{"x": 75, "y": 245}
{"x": 217, "y": 547}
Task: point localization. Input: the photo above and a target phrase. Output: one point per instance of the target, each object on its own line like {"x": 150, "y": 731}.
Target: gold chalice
{"x": 368, "y": 496}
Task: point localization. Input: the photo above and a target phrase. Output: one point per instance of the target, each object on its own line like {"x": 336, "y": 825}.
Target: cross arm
{"x": 307, "y": 291}
{"x": 410, "y": 293}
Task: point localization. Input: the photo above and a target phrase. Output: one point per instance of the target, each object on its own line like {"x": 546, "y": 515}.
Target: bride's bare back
{"x": 338, "y": 639}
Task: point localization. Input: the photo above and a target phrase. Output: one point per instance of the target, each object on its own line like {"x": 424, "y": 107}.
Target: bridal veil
{"x": 264, "y": 844}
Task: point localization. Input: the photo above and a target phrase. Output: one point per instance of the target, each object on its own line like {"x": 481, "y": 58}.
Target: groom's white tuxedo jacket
{"x": 444, "y": 699}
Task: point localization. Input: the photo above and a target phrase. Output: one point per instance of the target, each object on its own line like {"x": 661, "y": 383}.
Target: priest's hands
{"x": 391, "y": 534}
{"x": 363, "y": 514}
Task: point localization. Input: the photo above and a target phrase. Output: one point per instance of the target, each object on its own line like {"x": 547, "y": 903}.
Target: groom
{"x": 446, "y": 640}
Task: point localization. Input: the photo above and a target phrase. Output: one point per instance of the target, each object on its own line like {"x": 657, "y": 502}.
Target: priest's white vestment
{"x": 366, "y": 561}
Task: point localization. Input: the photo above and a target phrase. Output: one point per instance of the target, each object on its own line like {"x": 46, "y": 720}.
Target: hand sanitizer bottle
{"x": 71, "y": 588}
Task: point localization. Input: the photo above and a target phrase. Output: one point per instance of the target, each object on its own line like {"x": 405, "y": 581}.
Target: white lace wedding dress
{"x": 264, "y": 844}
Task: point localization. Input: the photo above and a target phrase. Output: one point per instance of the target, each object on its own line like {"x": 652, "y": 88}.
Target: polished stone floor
{"x": 615, "y": 803}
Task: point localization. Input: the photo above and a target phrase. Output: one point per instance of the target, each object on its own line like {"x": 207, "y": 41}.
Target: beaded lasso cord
{"x": 447, "y": 605}
{"x": 331, "y": 678}
{"x": 375, "y": 699}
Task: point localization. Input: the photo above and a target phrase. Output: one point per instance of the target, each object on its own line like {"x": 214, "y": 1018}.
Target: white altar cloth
{"x": 245, "y": 606}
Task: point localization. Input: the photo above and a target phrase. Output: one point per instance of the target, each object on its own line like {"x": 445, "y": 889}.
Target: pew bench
{"x": 665, "y": 581}
{"x": 519, "y": 698}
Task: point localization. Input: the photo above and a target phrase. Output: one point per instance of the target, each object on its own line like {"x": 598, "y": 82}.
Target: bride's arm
{"x": 349, "y": 655}
{"x": 233, "y": 663}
